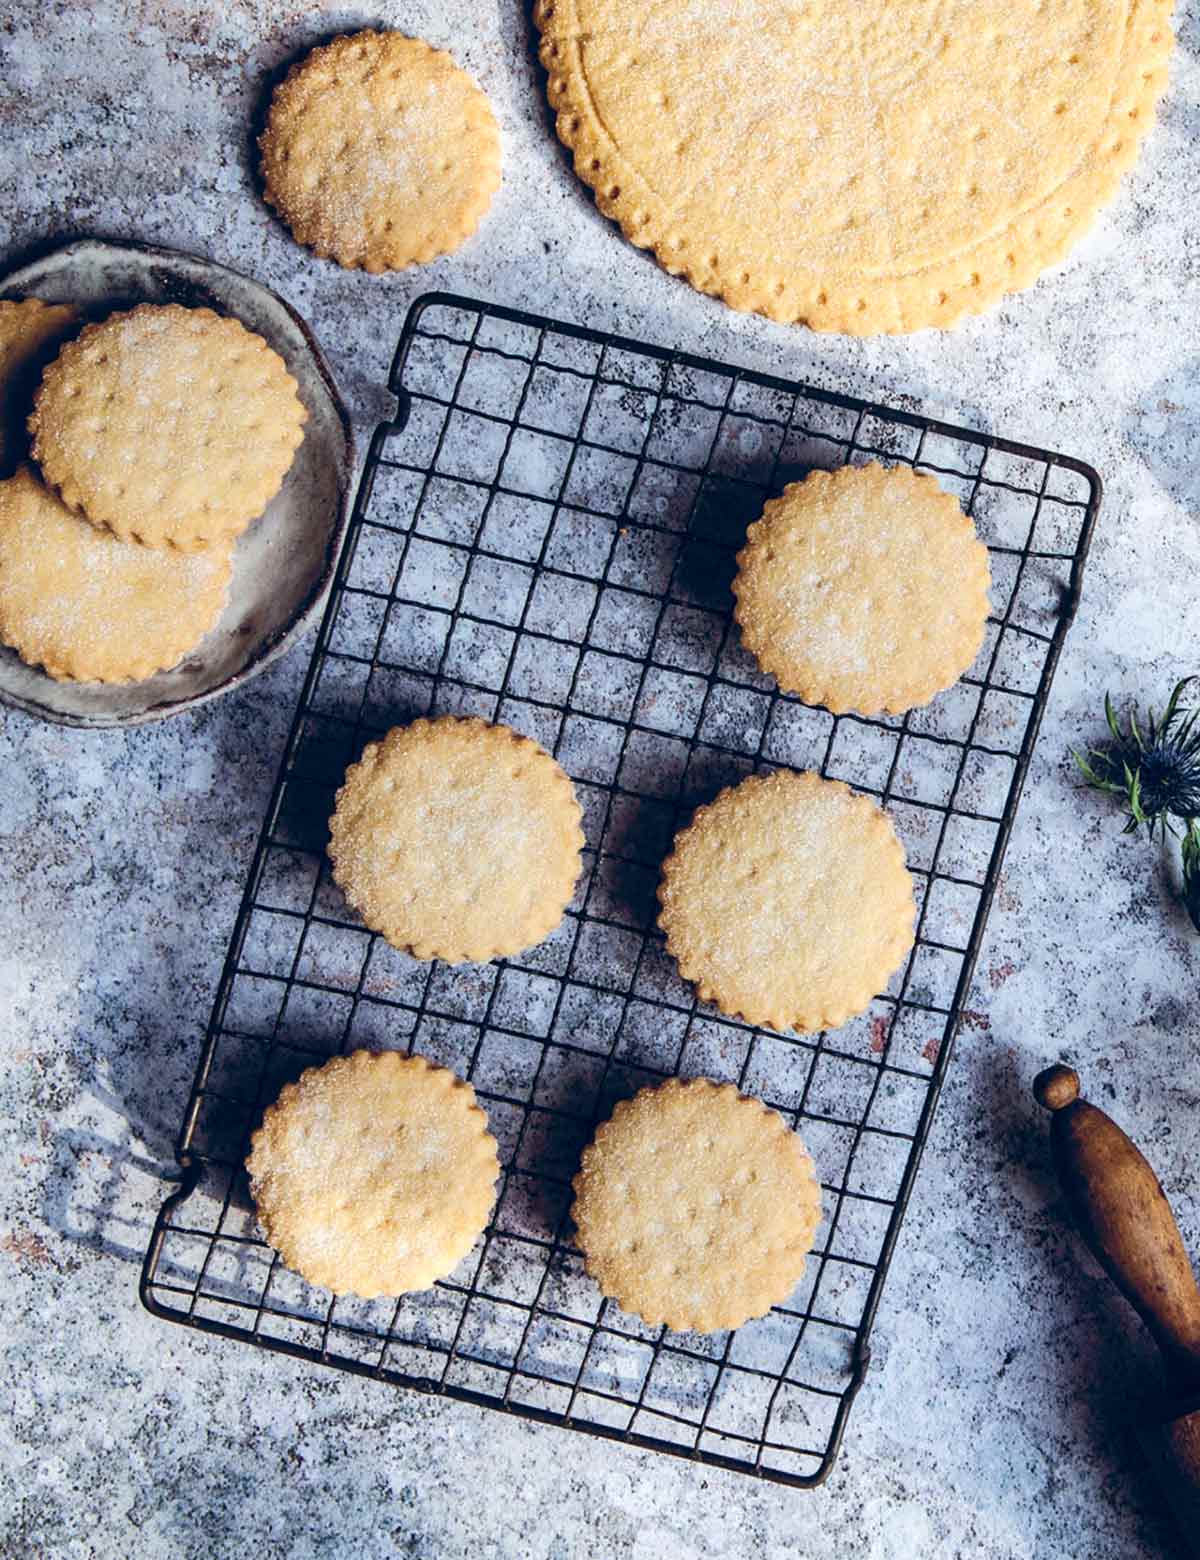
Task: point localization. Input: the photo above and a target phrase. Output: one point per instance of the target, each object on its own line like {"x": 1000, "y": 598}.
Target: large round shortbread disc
{"x": 172, "y": 427}
{"x": 89, "y": 607}
{"x": 787, "y": 901}
{"x": 457, "y": 840}
{"x": 852, "y": 166}
{"x": 380, "y": 152}
{"x": 696, "y": 1206}
{"x": 31, "y": 333}
{"x": 863, "y": 589}
{"x": 374, "y": 1174}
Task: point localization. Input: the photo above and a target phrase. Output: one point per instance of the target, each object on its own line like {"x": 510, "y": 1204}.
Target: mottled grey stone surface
{"x": 992, "y": 1422}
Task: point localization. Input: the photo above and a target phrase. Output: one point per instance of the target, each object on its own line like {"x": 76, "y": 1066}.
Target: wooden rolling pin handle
{"x": 1125, "y": 1218}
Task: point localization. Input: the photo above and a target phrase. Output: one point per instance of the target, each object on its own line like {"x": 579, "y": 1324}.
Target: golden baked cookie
{"x": 89, "y": 607}
{"x": 457, "y": 840}
{"x": 31, "y": 333}
{"x": 863, "y": 589}
{"x": 374, "y": 1174}
{"x": 787, "y": 901}
{"x": 172, "y": 427}
{"x": 379, "y": 152}
{"x": 696, "y": 1206}
{"x": 849, "y": 166}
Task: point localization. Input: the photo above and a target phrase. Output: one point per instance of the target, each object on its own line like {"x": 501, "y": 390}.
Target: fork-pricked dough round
{"x": 457, "y": 840}
{"x": 89, "y": 607}
{"x": 787, "y": 901}
{"x": 374, "y": 1174}
{"x": 864, "y": 588}
{"x": 850, "y": 166}
{"x": 696, "y": 1206}
{"x": 169, "y": 426}
{"x": 380, "y": 152}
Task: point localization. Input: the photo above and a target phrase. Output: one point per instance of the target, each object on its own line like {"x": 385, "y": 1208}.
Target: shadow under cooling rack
{"x": 546, "y": 536}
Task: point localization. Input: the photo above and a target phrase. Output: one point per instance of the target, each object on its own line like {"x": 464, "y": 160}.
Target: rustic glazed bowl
{"x": 284, "y": 562}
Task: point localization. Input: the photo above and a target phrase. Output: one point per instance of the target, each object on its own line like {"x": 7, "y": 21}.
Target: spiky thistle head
{"x": 1155, "y": 771}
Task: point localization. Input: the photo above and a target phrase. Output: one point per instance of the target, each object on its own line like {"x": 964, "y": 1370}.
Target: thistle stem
{"x": 1190, "y": 852}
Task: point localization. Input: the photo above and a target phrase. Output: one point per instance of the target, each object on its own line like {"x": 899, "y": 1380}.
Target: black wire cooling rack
{"x": 545, "y": 536}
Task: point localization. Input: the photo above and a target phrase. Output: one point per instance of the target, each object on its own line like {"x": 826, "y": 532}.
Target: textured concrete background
{"x": 993, "y": 1422}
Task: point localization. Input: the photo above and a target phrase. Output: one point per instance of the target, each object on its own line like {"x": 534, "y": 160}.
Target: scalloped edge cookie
{"x": 31, "y": 333}
{"x": 146, "y": 469}
{"x": 374, "y": 1174}
{"x": 457, "y": 840}
{"x": 808, "y": 592}
{"x": 88, "y": 607}
{"x": 696, "y": 1206}
{"x": 324, "y": 201}
{"x": 786, "y": 836}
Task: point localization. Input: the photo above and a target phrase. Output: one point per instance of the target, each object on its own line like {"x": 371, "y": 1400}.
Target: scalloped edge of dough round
{"x": 934, "y": 297}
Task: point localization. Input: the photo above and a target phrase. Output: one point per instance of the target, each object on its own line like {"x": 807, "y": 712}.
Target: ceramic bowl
{"x": 284, "y": 562}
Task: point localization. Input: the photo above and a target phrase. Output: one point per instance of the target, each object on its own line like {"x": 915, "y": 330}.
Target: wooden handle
{"x": 1126, "y": 1220}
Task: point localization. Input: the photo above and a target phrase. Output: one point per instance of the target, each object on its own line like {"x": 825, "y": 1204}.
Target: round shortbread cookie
{"x": 379, "y": 152}
{"x": 696, "y": 1206}
{"x": 31, "y": 332}
{"x": 89, "y": 607}
{"x": 457, "y": 840}
{"x": 374, "y": 1174}
{"x": 863, "y": 589}
{"x": 787, "y": 901}
{"x": 171, "y": 427}
{"x": 855, "y": 167}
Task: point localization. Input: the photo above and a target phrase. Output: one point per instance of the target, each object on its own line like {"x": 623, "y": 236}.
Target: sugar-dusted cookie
{"x": 696, "y": 1206}
{"x": 374, "y": 1174}
{"x": 89, "y": 607}
{"x": 379, "y": 152}
{"x": 31, "y": 332}
{"x": 852, "y": 166}
{"x": 863, "y": 589}
{"x": 457, "y": 840}
{"x": 787, "y": 901}
{"x": 172, "y": 427}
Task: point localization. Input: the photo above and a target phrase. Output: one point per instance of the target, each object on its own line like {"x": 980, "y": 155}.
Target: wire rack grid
{"x": 545, "y": 536}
